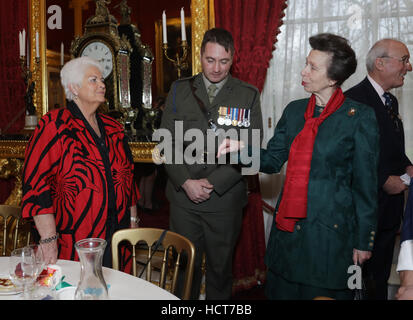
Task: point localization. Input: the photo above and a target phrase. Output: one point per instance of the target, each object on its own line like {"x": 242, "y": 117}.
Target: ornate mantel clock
{"x": 101, "y": 41}
{"x": 141, "y": 60}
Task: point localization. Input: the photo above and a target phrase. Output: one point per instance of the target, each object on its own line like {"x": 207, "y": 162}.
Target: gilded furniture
{"x": 15, "y": 232}
{"x": 169, "y": 255}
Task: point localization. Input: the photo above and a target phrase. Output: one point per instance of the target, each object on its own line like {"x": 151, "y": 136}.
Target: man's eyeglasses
{"x": 404, "y": 60}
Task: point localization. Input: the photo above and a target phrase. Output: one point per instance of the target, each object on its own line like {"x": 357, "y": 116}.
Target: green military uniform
{"x": 213, "y": 225}
{"x": 342, "y": 200}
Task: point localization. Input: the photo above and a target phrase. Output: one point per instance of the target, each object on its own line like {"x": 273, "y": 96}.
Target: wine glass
{"x": 39, "y": 258}
{"x": 23, "y": 269}
{"x": 39, "y": 290}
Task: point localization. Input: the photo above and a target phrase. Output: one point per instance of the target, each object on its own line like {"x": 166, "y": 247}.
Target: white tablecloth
{"x": 122, "y": 286}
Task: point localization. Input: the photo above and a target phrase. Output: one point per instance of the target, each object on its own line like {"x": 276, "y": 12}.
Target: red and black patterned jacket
{"x": 64, "y": 174}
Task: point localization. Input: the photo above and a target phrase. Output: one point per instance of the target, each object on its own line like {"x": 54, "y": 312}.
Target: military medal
{"x": 221, "y": 118}
{"x": 228, "y": 117}
{"x": 247, "y": 118}
{"x": 235, "y": 117}
{"x": 241, "y": 117}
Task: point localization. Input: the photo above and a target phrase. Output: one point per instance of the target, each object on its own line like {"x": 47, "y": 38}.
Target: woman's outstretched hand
{"x": 229, "y": 145}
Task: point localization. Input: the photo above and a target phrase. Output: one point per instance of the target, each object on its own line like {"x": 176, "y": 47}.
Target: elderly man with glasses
{"x": 387, "y": 65}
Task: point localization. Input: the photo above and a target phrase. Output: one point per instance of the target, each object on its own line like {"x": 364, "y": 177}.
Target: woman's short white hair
{"x": 73, "y": 73}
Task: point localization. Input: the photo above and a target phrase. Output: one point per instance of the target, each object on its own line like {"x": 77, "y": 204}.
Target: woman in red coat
{"x": 78, "y": 172}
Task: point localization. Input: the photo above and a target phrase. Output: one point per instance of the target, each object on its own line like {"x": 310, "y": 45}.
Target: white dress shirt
{"x": 405, "y": 261}
{"x": 378, "y": 88}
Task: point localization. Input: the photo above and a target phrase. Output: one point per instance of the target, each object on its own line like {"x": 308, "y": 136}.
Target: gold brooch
{"x": 352, "y": 112}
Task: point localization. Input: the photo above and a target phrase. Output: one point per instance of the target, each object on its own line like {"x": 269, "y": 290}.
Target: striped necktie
{"x": 390, "y": 110}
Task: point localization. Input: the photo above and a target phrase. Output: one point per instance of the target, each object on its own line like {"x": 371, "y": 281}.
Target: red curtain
{"x": 14, "y": 17}
{"x": 254, "y": 24}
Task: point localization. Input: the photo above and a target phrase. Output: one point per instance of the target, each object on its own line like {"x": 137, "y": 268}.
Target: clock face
{"x": 101, "y": 52}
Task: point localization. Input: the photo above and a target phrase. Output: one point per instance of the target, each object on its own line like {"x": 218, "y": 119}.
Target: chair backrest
{"x": 15, "y": 232}
{"x": 174, "y": 253}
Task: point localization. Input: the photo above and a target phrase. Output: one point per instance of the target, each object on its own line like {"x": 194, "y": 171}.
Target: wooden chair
{"x": 15, "y": 232}
{"x": 168, "y": 256}
{"x": 322, "y": 298}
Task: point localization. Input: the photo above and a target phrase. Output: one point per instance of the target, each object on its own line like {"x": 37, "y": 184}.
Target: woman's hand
{"x": 46, "y": 226}
{"x": 229, "y": 145}
{"x": 49, "y": 251}
{"x": 359, "y": 257}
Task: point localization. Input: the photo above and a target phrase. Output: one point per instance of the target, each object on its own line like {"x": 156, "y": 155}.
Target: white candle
{"x": 20, "y": 43}
{"x": 24, "y": 43}
{"x": 37, "y": 45}
{"x": 183, "y": 31}
{"x": 62, "y": 54}
{"x": 165, "y": 38}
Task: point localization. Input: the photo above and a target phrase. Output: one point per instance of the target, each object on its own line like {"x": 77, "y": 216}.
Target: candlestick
{"x": 180, "y": 63}
{"x": 30, "y": 84}
{"x": 165, "y": 38}
{"x": 183, "y": 31}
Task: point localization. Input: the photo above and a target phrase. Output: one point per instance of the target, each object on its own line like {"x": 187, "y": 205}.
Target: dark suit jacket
{"x": 392, "y": 160}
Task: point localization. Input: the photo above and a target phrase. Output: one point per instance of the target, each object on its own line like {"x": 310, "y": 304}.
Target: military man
{"x": 207, "y": 197}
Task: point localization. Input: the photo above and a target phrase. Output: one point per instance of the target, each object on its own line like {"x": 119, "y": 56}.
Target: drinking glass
{"x": 23, "y": 269}
{"x": 39, "y": 259}
{"x": 40, "y": 291}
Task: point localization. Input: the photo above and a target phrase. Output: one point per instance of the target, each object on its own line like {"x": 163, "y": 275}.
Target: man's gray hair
{"x": 74, "y": 71}
{"x": 378, "y": 50}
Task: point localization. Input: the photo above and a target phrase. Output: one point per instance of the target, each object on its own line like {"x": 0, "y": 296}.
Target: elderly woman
{"x": 325, "y": 219}
{"x": 78, "y": 172}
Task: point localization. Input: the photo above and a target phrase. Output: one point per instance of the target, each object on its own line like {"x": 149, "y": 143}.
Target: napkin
{"x": 62, "y": 284}
{"x": 406, "y": 179}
